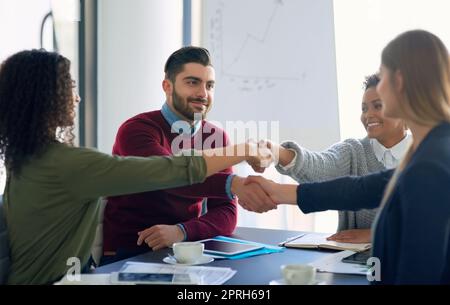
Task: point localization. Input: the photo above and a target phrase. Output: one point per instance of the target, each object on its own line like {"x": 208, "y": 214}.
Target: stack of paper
{"x": 208, "y": 275}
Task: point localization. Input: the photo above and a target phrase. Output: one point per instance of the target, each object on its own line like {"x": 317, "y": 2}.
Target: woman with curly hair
{"x": 52, "y": 188}
{"x": 385, "y": 144}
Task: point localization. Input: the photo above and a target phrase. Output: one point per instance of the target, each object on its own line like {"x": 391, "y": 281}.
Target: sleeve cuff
{"x": 292, "y": 163}
{"x": 181, "y": 226}
{"x": 231, "y": 196}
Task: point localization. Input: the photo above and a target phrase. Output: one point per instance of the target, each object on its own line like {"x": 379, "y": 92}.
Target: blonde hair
{"x": 423, "y": 61}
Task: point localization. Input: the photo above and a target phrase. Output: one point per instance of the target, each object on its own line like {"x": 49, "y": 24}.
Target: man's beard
{"x": 182, "y": 106}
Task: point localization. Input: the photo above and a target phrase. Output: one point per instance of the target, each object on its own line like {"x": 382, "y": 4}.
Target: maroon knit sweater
{"x": 149, "y": 134}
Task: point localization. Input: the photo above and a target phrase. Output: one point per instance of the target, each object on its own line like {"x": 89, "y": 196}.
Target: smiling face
{"x": 386, "y": 130}
{"x": 193, "y": 91}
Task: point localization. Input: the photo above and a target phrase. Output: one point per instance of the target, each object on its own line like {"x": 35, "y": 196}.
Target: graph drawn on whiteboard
{"x": 235, "y": 56}
{"x": 275, "y": 61}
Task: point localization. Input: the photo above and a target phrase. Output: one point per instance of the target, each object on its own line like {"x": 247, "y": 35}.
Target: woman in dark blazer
{"x": 412, "y": 230}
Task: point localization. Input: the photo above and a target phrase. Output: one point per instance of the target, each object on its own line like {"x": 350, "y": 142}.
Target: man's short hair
{"x": 175, "y": 63}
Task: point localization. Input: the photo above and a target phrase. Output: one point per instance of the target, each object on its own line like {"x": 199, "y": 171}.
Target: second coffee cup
{"x": 297, "y": 274}
{"x": 188, "y": 252}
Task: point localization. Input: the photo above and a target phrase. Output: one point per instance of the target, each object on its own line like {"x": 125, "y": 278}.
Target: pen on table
{"x": 291, "y": 239}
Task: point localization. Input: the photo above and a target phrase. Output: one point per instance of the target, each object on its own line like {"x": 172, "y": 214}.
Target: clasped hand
{"x": 267, "y": 153}
{"x": 255, "y": 193}
{"x": 259, "y": 155}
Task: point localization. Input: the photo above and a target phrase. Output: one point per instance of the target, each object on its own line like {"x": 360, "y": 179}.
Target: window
{"x": 362, "y": 29}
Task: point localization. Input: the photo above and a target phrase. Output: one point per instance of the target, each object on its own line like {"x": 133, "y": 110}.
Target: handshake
{"x": 256, "y": 193}
{"x": 262, "y": 154}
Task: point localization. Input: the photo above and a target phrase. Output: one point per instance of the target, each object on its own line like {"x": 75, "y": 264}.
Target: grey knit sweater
{"x": 350, "y": 157}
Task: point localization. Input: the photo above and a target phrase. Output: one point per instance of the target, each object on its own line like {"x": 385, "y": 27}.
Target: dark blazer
{"x": 412, "y": 232}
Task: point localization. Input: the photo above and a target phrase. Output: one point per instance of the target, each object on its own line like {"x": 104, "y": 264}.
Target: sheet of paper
{"x": 208, "y": 275}
{"x": 333, "y": 263}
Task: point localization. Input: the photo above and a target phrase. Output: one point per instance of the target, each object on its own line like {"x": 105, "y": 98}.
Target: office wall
{"x": 135, "y": 39}
{"x": 362, "y": 29}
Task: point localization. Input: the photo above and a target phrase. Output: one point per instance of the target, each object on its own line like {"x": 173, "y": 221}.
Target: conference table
{"x": 257, "y": 270}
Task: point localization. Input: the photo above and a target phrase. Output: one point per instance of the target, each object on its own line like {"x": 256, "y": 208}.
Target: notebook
{"x": 319, "y": 240}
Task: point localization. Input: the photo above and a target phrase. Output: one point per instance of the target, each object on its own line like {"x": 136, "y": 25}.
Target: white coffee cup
{"x": 297, "y": 274}
{"x": 188, "y": 252}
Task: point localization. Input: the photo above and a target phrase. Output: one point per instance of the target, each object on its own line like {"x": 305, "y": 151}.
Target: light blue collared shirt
{"x": 178, "y": 125}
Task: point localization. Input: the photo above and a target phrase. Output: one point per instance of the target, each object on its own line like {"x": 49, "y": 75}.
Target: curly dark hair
{"x": 36, "y": 105}
{"x": 371, "y": 81}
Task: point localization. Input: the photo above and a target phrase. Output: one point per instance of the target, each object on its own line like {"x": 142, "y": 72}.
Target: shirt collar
{"x": 177, "y": 124}
{"x": 397, "y": 151}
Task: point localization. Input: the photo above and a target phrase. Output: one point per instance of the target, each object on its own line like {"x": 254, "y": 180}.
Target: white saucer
{"x": 203, "y": 260}
{"x": 282, "y": 282}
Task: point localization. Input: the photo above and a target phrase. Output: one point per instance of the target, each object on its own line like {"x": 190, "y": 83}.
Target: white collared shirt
{"x": 390, "y": 157}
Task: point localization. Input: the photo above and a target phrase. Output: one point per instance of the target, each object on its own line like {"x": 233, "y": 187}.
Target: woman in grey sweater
{"x": 384, "y": 146}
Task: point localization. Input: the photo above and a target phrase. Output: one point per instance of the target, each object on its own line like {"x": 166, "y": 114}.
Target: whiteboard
{"x": 275, "y": 62}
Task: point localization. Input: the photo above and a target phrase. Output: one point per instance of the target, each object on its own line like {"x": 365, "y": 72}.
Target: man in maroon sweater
{"x": 135, "y": 223}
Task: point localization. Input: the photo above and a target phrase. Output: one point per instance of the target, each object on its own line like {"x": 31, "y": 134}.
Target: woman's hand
{"x": 355, "y": 236}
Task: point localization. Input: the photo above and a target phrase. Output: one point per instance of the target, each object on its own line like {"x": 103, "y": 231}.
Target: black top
{"x": 412, "y": 234}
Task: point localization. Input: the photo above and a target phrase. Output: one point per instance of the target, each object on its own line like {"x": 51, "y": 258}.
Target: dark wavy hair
{"x": 36, "y": 105}
{"x": 176, "y": 61}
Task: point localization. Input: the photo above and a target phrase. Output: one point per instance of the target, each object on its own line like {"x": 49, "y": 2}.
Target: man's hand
{"x": 355, "y": 236}
{"x": 251, "y": 197}
{"x": 160, "y": 236}
{"x": 259, "y": 156}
